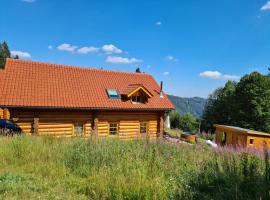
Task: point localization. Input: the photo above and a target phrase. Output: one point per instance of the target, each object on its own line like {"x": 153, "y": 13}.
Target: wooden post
{"x": 95, "y": 124}
{"x": 6, "y": 114}
{"x": 161, "y": 124}
{"x": 35, "y": 126}
{"x": 1, "y": 113}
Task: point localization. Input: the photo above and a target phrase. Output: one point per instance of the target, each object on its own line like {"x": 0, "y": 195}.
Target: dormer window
{"x": 113, "y": 94}
{"x": 138, "y": 99}
{"x": 136, "y": 94}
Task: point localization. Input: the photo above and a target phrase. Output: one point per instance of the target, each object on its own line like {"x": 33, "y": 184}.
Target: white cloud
{"x": 50, "y": 47}
{"x": 21, "y": 54}
{"x": 110, "y": 48}
{"x": 29, "y": 1}
{"x": 86, "y": 50}
{"x": 231, "y": 77}
{"x": 121, "y": 60}
{"x": 211, "y": 74}
{"x": 67, "y": 47}
{"x": 171, "y": 58}
{"x": 266, "y": 6}
{"x": 166, "y": 73}
{"x": 218, "y": 75}
{"x": 158, "y": 23}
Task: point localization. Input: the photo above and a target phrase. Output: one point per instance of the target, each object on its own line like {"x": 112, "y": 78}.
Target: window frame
{"x": 117, "y": 128}
{"x": 251, "y": 139}
{"x": 139, "y": 99}
{"x": 146, "y": 127}
{"x": 113, "y": 97}
{"x": 78, "y": 126}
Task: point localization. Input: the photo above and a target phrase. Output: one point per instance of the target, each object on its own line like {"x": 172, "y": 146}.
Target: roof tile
{"x": 37, "y": 84}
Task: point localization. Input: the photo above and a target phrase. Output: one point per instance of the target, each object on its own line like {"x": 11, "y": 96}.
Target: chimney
{"x": 161, "y": 89}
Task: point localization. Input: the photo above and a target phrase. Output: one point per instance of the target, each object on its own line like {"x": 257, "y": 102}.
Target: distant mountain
{"x": 194, "y": 105}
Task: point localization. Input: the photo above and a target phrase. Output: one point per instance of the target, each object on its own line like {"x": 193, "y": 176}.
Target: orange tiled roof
{"x": 35, "y": 84}
{"x": 131, "y": 87}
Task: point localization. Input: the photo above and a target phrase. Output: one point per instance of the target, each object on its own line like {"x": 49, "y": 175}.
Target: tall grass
{"x": 50, "y": 168}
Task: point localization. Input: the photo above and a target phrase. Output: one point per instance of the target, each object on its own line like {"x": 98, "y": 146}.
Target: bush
{"x": 174, "y": 119}
{"x": 188, "y": 123}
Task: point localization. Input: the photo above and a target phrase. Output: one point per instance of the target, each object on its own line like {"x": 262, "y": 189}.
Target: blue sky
{"x": 193, "y": 46}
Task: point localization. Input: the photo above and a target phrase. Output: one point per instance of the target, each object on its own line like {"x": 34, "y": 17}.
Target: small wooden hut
{"x": 230, "y": 135}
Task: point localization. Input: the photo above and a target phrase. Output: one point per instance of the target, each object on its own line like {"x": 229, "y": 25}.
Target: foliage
{"x": 192, "y": 105}
{"x": 185, "y": 122}
{"x": 206, "y": 136}
{"x": 174, "y": 119}
{"x": 4, "y": 54}
{"x": 188, "y": 123}
{"x": 173, "y": 133}
{"x": 219, "y": 108}
{"x": 245, "y": 104}
{"x": 253, "y": 105}
{"x": 51, "y": 168}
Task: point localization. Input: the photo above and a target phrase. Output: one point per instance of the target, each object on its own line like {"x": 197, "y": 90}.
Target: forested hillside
{"x": 194, "y": 105}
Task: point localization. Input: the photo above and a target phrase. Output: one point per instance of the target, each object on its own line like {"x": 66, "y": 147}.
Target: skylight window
{"x": 113, "y": 94}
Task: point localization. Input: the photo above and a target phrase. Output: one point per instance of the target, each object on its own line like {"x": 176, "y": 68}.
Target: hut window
{"x": 251, "y": 141}
{"x": 113, "y": 94}
{"x": 113, "y": 129}
{"x": 143, "y": 127}
{"x": 224, "y": 138}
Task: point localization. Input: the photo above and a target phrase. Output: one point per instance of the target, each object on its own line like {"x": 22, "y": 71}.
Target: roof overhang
{"x": 88, "y": 108}
{"x": 240, "y": 130}
{"x": 149, "y": 95}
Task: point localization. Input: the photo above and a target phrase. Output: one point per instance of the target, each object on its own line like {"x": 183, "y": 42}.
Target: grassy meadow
{"x": 51, "y": 168}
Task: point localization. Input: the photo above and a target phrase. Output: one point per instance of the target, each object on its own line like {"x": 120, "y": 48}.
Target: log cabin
{"x": 60, "y": 100}
{"x": 236, "y": 136}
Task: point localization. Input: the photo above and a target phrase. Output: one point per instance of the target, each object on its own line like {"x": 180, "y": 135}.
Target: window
{"x": 251, "y": 141}
{"x": 78, "y": 129}
{"x": 143, "y": 127}
{"x": 113, "y": 94}
{"x": 113, "y": 129}
{"x": 224, "y": 138}
{"x": 138, "y": 99}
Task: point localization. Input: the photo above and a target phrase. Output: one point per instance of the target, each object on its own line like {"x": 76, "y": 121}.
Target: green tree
{"x": 220, "y": 107}
{"x": 4, "y": 53}
{"x": 245, "y": 104}
{"x": 174, "y": 119}
{"x": 253, "y": 102}
{"x": 188, "y": 123}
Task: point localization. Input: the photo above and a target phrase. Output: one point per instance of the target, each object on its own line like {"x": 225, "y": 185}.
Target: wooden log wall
{"x": 1, "y": 113}
{"x": 234, "y": 138}
{"x": 56, "y": 123}
{"x": 128, "y": 123}
{"x": 63, "y": 123}
{"x": 259, "y": 142}
{"x": 4, "y": 113}
{"x": 24, "y": 120}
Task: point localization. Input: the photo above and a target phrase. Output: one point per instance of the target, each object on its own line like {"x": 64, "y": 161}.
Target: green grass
{"x": 50, "y": 168}
{"x": 175, "y": 133}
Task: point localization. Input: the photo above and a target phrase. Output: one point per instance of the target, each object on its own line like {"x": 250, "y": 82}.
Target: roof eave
{"x": 87, "y": 108}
